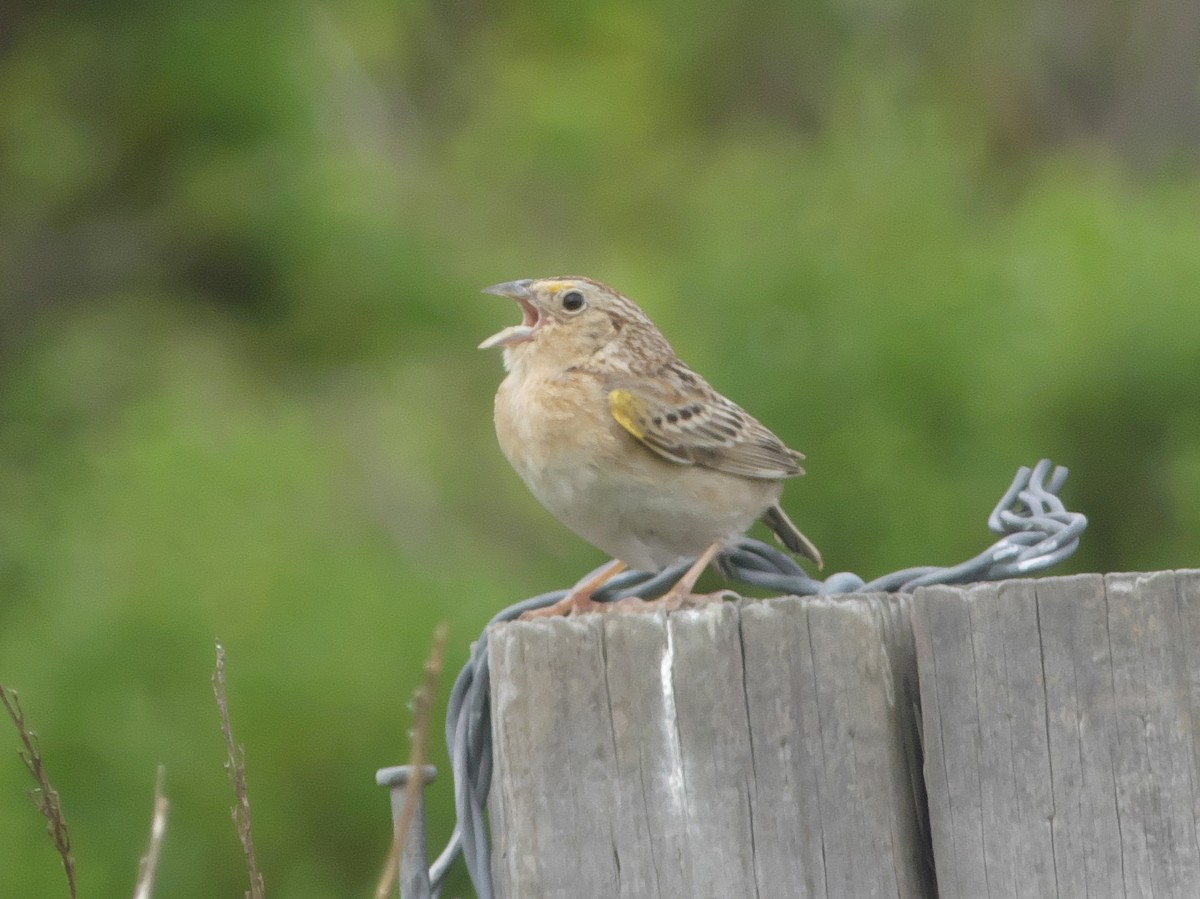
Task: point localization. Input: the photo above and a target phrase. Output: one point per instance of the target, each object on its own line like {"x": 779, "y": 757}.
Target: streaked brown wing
{"x": 686, "y": 421}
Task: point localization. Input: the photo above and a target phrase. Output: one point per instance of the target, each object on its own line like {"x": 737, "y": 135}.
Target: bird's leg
{"x": 679, "y": 595}
{"x": 682, "y": 591}
{"x": 579, "y": 599}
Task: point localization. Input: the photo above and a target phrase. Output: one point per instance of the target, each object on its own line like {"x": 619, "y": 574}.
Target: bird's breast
{"x": 552, "y": 423}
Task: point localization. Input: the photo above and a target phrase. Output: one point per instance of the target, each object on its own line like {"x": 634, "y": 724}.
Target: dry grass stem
{"x": 235, "y": 767}
{"x": 148, "y": 868}
{"x": 44, "y": 796}
{"x": 422, "y": 703}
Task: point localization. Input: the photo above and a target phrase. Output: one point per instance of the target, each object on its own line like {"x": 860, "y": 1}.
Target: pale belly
{"x": 617, "y": 494}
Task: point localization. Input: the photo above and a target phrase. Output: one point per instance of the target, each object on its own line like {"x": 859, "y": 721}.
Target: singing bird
{"x": 625, "y": 444}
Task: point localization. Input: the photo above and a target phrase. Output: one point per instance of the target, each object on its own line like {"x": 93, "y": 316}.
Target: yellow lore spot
{"x": 624, "y": 408}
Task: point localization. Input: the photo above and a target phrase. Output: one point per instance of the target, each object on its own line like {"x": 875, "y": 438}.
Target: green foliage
{"x": 240, "y": 249}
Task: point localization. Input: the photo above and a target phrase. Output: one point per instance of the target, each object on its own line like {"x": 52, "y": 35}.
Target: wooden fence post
{"x": 772, "y": 748}
{"x": 1061, "y": 750}
{"x": 762, "y": 748}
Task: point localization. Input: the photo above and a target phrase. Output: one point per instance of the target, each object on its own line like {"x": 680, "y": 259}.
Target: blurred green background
{"x": 241, "y": 246}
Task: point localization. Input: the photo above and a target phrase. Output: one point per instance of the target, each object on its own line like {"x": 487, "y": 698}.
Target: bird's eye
{"x": 572, "y": 301}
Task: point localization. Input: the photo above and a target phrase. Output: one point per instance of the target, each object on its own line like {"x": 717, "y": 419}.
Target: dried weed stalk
{"x": 422, "y": 702}
{"x": 43, "y": 794}
{"x": 235, "y": 767}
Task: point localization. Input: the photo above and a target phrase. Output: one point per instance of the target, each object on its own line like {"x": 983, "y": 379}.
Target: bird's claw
{"x": 580, "y": 604}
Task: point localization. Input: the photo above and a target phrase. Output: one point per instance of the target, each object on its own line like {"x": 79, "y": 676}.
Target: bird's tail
{"x": 789, "y": 535}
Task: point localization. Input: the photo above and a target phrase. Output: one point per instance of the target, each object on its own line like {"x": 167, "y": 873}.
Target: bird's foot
{"x": 669, "y": 602}
{"x": 572, "y": 604}
{"x": 578, "y": 600}
{"x": 581, "y": 604}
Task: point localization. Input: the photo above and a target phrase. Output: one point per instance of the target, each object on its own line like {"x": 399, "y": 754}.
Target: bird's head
{"x": 566, "y": 321}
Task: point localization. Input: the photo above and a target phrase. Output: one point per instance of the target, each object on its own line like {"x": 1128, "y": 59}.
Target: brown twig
{"x": 148, "y": 867}
{"x": 44, "y": 796}
{"x": 235, "y": 767}
{"x": 422, "y": 703}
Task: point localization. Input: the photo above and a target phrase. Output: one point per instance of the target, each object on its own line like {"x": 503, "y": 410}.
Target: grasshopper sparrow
{"x": 626, "y": 445}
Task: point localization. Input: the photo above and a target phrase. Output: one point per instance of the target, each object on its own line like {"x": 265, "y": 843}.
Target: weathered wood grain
{"x": 1058, "y": 714}
{"x": 745, "y": 749}
{"x": 831, "y": 688}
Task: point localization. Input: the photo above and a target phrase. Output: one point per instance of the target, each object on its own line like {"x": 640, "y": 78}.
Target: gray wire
{"x": 1036, "y": 530}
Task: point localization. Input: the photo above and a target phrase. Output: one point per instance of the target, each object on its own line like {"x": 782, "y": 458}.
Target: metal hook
{"x": 414, "y": 858}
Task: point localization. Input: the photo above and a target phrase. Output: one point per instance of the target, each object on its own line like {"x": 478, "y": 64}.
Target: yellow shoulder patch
{"x": 624, "y": 407}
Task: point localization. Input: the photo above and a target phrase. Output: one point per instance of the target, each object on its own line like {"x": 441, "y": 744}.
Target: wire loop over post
{"x": 1036, "y": 531}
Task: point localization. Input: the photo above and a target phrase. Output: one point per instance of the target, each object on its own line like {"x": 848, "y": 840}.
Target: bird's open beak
{"x": 519, "y": 291}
